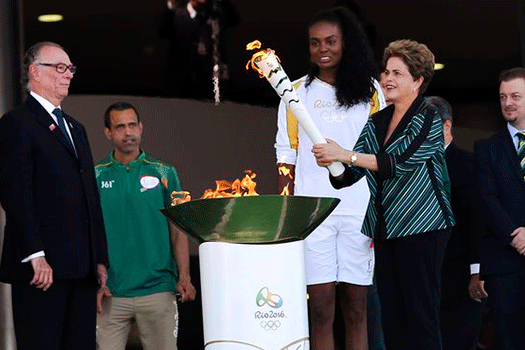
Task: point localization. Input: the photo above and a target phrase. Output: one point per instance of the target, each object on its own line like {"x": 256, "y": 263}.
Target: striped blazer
{"x": 410, "y": 192}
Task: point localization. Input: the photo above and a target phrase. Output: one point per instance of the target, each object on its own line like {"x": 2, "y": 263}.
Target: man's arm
{"x": 103, "y": 290}
{"x": 180, "y": 250}
{"x": 16, "y": 182}
{"x": 500, "y": 221}
{"x": 461, "y": 166}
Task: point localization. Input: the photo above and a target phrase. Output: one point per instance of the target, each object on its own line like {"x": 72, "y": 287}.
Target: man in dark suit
{"x": 500, "y": 178}
{"x": 54, "y": 242}
{"x": 460, "y": 311}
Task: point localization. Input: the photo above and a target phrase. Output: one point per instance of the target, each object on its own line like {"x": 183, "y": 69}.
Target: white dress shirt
{"x": 513, "y": 131}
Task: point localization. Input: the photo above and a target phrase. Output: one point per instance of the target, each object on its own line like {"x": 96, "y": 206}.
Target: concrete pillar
{"x": 10, "y": 44}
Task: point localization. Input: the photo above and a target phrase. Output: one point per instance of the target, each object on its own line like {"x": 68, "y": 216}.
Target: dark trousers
{"x": 61, "y": 318}
{"x": 460, "y": 325}
{"x": 460, "y": 315}
{"x": 376, "y": 340}
{"x": 409, "y": 281}
{"x": 506, "y": 300}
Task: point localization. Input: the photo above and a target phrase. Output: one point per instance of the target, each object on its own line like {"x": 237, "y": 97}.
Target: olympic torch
{"x": 267, "y": 64}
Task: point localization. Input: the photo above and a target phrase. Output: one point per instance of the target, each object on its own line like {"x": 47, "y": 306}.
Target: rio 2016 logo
{"x": 265, "y": 297}
{"x": 269, "y": 319}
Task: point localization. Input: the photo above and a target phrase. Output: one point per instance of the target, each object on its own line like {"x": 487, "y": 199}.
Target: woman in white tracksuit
{"x": 339, "y": 92}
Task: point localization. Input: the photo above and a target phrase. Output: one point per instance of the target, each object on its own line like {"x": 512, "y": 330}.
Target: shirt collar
{"x": 513, "y": 131}
{"x": 133, "y": 163}
{"x": 324, "y": 83}
{"x": 48, "y": 106}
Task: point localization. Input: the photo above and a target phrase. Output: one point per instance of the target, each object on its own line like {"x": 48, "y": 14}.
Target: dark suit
{"x": 502, "y": 191}
{"x": 460, "y": 315}
{"x": 52, "y": 204}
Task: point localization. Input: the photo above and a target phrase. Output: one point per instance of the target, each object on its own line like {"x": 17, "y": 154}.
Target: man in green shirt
{"x": 148, "y": 257}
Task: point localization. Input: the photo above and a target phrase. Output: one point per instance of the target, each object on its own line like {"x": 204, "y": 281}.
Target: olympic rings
{"x": 270, "y": 325}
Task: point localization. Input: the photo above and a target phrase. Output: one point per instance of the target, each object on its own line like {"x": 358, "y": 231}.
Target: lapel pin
{"x": 52, "y": 127}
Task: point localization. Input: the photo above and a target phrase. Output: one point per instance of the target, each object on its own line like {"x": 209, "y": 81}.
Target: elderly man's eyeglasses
{"x": 60, "y": 67}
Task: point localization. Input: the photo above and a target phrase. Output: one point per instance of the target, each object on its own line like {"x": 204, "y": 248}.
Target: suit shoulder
{"x": 17, "y": 112}
{"x": 15, "y": 118}
{"x": 485, "y": 142}
{"x": 459, "y": 161}
{"x": 464, "y": 154}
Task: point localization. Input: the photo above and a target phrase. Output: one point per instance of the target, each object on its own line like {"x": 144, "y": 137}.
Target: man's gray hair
{"x": 442, "y": 106}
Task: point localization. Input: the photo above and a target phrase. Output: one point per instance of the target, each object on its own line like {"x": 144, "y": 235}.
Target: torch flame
{"x": 237, "y": 188}
{"x": 285, "y": 171}
{"x": 256, "y": 44}
{"x": 259, "y": 55}
{"x": 223, "y": 188}
{"x": 286, "y": 190}
{"x": 249, "y": 184}
{"x": 177, "y": 200}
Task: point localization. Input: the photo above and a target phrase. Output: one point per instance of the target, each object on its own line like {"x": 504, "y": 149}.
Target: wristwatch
{"x": 353, "y": 158}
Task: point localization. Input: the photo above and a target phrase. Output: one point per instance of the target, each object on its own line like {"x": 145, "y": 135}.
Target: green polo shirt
{"x": 137, "y": 233}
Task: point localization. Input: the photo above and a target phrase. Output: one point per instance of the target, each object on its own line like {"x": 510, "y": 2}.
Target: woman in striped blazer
{"x": 401, "y": 153}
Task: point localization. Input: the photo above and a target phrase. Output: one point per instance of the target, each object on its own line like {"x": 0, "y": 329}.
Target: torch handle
{"x": 278, "y": 79}
{"x": 299, "y": 111}
{"x": 336, "y": 169}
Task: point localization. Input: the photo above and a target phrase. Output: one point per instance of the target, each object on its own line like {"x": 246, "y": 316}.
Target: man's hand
{"x": 101, "y": 293}
{"x": 476, "y": 288}
{"x": 103, "y": 290}
{"x": 186, "y": 290}
{"x": 180, "y": 249}
{"x": 43, "y": 273}
{"x": 518, "y": 242}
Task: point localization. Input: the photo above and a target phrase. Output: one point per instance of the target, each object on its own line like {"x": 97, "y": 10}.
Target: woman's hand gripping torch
{"x": 267, "y": 64}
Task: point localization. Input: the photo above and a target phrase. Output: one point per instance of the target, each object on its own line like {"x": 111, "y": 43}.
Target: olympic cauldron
{"x": 251, "y": 256}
